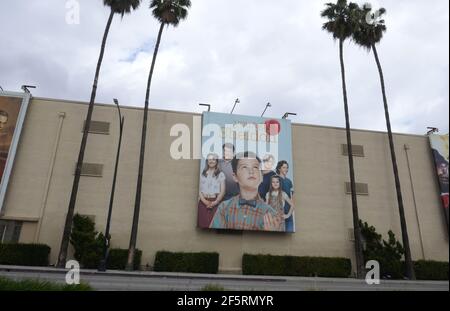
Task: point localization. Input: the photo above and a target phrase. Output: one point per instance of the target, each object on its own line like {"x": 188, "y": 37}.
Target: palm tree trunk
{"x": 356, "y": 227}
{"x": 409, "y": 264}
{"x": 73, "y": 196}
{"x": 137, "y": 203}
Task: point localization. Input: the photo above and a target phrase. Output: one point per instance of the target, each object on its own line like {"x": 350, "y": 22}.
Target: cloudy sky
{"x": 256, "y": 50}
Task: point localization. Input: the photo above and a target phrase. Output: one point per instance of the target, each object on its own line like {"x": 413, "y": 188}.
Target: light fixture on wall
{"x": 432, "y": 130}
{"x": 26, "y": 88}
{"x": 206, "y": 105}
{"x": 287, "y": 114}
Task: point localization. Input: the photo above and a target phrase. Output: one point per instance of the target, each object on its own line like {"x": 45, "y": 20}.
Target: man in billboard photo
{"x": 267, "y": 172}
{"x": 212, "y": 190}
{"x": 246, "y": 211}
{"x": 286, "y": 185}
{"x": 232, "y": 188}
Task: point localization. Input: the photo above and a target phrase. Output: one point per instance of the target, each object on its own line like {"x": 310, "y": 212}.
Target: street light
{"x": 287, "y": 114}
{"x": 237, "y": 101}
{"x": 206, "y": 105}
{"x": 267, "y": 106}
{"x": 102, "y": 264}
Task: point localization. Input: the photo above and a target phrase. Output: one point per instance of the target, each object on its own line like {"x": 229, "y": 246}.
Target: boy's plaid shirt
{"x": 231, "y": 215}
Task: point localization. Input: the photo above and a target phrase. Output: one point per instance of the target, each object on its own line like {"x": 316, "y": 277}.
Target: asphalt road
{"x": 151, "y": 281}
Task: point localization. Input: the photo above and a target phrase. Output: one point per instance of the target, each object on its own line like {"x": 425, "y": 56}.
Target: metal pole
{"x": 414, "y": 201}
{"x": 103, "y": 262}
{"x": 236, "y": 102}
{"x": 267, "y": 106}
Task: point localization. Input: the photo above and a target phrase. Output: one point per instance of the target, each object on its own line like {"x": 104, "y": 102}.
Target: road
{"x": 153, "y": 281}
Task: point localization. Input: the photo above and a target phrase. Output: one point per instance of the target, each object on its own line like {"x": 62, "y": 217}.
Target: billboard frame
{"x": 14, "y": 143}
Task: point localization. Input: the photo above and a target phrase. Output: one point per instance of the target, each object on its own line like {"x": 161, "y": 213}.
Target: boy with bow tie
{"x": 246, "y": 211}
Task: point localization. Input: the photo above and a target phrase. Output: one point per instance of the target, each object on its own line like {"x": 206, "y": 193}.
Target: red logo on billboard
{"x": 273, "y": 127}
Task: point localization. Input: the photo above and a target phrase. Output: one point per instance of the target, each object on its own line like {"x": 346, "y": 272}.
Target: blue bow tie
{"x": 251, "y": 203}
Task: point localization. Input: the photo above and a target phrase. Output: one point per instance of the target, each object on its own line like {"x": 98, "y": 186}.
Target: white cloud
{"x": 258, "y": 51}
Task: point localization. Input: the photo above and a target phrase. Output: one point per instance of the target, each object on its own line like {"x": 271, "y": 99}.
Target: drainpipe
{"x": 61, "y": 116}
{"x": 414, "y": 200}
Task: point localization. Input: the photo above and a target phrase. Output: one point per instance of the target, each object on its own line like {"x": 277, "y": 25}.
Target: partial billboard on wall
{"x": 13, "y": 108}
{"x": 439, "y": 147}
{"x": 246, "y": 174}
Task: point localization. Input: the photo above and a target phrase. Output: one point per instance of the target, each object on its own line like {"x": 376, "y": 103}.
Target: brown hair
{"x": 216, "y": 170}
{"x": 280, "y": 164}
{"x": 279, "y": 199}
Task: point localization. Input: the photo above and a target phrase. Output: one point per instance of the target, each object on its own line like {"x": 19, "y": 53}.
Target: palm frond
{"x": 170, "y": 12}
{"x": 369, "y": 32}
{"x": 342, "y": 19}
{"x": 122, "y": 7}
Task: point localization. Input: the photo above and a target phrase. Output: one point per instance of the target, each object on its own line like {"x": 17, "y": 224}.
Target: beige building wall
{"x": 42, "y": 177}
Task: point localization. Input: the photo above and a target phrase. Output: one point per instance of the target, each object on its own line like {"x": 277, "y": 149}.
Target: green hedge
{"x": 187, "y": 262}
{"x": 431, "y": 270}
{"x": 296, "y": 266}
{"x": 24, "y": 254}
{"x": 117, "y": 259}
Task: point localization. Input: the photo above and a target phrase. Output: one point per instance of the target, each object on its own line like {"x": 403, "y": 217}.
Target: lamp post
{"x": 267, "y": 106}
{"x": 103, "y": 261}
{"x": 237, "y": 101}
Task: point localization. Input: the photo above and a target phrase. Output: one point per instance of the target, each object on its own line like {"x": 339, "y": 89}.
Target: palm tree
{"x": 121, "y": 7}
{"x": 167, "y": 12}
{"x": 369, "y": 33}
{"x": 342, "y": 22}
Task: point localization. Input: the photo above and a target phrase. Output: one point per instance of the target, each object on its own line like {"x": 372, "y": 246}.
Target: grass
{"x": 39, "y": 285}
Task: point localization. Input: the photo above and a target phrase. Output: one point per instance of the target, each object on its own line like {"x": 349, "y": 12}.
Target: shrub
{"x": 87, "y": 243}
{"x": 431, "y": 270}
{"x": 39, "y": 285}
{"x": 187, "y": 262}
{"x": 388, "y": 253}
{"x": 296, "y": 266}
{"x": 24, "y": 254}
{"x": 117, "y": 259}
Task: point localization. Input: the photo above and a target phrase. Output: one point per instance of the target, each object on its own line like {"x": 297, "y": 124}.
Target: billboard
{"x": 13, "y": 108}
{"x": 439, "y": 147}
{"x": 246, "y": 174}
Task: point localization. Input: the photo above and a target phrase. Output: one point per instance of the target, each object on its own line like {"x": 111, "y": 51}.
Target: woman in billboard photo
{"x": 277, "y": 198}
{"x": 287, "y": 186}
{"x": 212, "y": 190}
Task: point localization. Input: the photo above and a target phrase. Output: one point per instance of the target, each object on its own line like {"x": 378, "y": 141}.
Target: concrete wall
{"x": 42, "y": 178}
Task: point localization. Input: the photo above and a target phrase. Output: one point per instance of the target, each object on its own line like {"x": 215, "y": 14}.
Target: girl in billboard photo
{"x": 212, "y": 190}
{"x": 277, "y": 198}
{"x": 287, "y": 186}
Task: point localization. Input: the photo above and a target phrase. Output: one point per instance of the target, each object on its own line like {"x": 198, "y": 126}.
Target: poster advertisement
{"x": 12, "y": 112}
{"x": 246, "y": 174}
{"x": 439, "y": 147}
